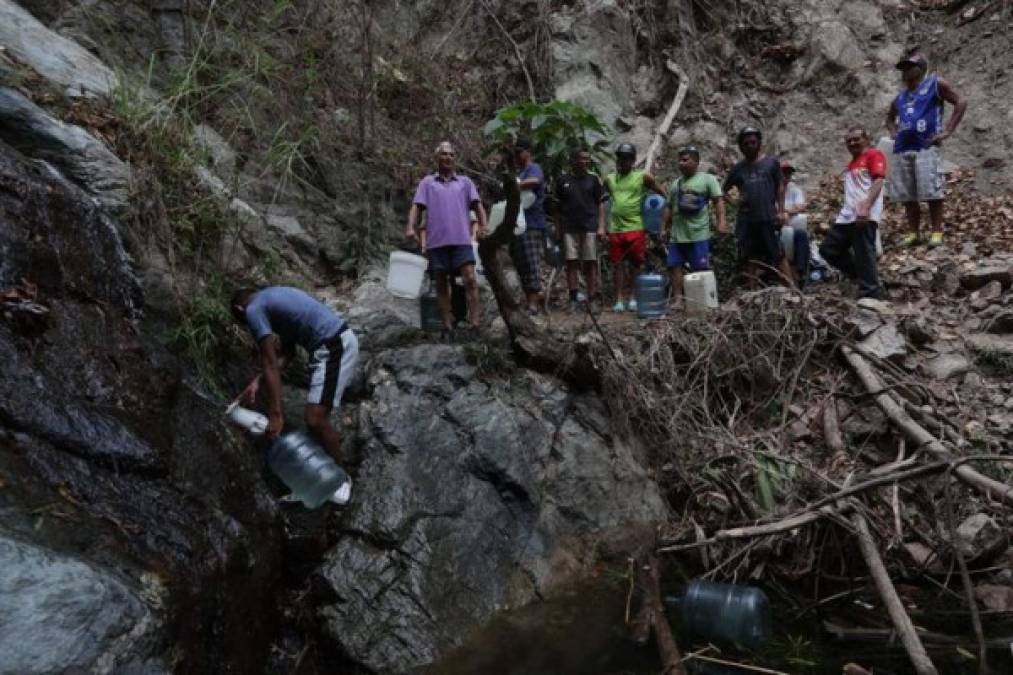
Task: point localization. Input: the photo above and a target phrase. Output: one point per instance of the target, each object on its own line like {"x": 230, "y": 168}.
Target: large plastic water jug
{"x": 724, "y": 613}
{"x": 701, "y": 290}
{"x": 430, "y": 318}
{"x": 653, "y": 211}
{"x": 305, "y": 468}
{"x": 497, "y": 212}
{"x": 652, "y": 295}
{"x": 405, "y": 274}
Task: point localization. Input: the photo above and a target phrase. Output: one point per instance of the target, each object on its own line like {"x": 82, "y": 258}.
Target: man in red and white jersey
{"x": 851, "y": 244}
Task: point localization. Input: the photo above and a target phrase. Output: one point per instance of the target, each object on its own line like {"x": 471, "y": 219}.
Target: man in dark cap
{"x": 529, "y": 247}
{"x": 915, "y": 121}
{"x": 627, "y": 238}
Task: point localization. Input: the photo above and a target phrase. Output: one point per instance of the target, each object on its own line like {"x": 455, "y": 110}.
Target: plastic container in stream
{"x": 653, "y": 210}
{"x": 651, "y": 294}
{"x": 724, "y": 613}
{"x": 307, "y": 470}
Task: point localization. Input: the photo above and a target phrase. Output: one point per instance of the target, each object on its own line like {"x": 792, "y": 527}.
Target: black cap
{"x": 749, "y": 131}
{"x": 690, "y": 150}
{"x": 626, "y": 150}
{"x": 522, "y": 144}
{"x": 915, "y": 59}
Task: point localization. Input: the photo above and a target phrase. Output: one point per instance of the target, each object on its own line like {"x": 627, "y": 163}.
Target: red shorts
{"x": 630, "y": 246}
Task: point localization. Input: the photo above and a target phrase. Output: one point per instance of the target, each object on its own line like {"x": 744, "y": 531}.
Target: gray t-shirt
{"x": 294, "y": 316}
{"x": 757, "y": 183}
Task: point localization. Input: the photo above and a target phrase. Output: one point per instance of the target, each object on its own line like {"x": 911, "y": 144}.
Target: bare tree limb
{"x": 901, "y": 621}
{"x": 680, "y": 95}
{"x": 917, "y": 433}
{"x": 517, "y": 52}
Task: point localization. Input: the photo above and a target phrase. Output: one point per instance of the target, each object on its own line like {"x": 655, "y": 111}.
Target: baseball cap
{"x": 626, "y": 149}
{"x": 690, "y": 150}
{"x": 522, "y": 144}
{"x": 749, "y": 131}
{"x": 915, "y": 59}
{"x": 786, "y": 165}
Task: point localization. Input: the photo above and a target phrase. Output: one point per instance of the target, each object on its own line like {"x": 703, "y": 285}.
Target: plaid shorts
{"x": 527, "y": 251}
{"x": 916, "y": 176}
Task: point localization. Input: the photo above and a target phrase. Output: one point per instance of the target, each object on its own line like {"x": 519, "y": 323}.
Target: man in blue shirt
{"x": 529, "y": 247}
{"x": 280, "y": 318}
{"x": 915, "y": 121}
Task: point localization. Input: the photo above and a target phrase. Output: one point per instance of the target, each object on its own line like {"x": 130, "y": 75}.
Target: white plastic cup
{"x": 246, "y": 419}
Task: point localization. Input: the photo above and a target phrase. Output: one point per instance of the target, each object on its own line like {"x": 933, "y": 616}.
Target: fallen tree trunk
{"x": 652, "y": 613}
{"x": 901, "y": 621}
{"x": 532, "y": 346}
{"x": 918, "y": 434}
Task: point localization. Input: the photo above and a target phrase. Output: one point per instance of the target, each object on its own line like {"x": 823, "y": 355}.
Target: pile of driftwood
{"x": 719, "y": 404}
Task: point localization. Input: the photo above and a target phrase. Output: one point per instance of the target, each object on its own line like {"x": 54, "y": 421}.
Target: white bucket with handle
{"x": 405, "y": 274}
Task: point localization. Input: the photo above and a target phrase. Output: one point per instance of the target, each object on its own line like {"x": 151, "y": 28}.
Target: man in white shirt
{"x": 851, "y": 244}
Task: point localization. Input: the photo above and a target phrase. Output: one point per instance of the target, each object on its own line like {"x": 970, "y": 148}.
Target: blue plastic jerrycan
{"x": 652, "y": 211}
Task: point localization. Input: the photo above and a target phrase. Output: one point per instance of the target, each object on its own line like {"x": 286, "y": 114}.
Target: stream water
{"x": 582, "y": 631}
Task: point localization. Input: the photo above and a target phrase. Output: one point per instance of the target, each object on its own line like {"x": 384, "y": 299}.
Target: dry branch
{"x": 673, "y": 110}
{"x": 668, "y": 650}
{"x": 917, "y": 433}
{"x": 901, "y": 621}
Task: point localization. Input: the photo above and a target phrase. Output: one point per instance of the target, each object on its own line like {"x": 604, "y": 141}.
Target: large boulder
{"x": 61, "y": 614}
{"x": 70, "y": 149}
{"x": 474, "y": 496}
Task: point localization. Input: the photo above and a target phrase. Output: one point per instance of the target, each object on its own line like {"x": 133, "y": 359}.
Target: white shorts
{"x": 916, "y": 176}
{"x": 332, "y": 366}
{"x": 581, "y": 246}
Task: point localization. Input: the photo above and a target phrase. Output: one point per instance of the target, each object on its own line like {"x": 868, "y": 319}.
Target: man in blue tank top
{"x": 915, "y": 121}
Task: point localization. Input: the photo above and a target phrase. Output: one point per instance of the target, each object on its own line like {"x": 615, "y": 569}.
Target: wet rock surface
{"x": 110, "y": 461}
{"x": 60, "y": 613}
{"x": 473, "y": 496}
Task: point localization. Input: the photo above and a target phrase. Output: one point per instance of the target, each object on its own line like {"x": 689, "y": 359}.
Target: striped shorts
{"x": 527, "y": 251}
{"x": 331, "y": 367}
{"x": 916, "y": 176}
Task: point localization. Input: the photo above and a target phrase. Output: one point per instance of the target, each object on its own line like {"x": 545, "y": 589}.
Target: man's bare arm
{"x": 891, "y": 119}
{"x": 270, "y": 363}
{"x": 651, "y": 183}
{"x": 959, "y": 103}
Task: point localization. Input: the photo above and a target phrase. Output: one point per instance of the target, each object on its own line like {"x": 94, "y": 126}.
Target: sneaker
{"x": 581, "y": 297}
{"x": 632, "y": 306}
{"x": 619, "y": 306}
{"x": 342, "y": 495}
{"x": 935, "y": 239}
{"x": 910, "y": 239}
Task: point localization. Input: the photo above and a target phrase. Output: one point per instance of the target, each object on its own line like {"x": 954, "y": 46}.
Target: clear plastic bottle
{"x": 651, "y": 294}
{"x": 304, "y": 466}
{"x": 724, "y": 613}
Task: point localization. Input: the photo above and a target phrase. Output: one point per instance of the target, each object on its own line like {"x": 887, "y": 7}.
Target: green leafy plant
{"x": 555, "y": 129}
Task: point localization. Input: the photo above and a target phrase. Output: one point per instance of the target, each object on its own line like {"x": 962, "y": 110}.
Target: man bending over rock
{"x": 281, "y": 317}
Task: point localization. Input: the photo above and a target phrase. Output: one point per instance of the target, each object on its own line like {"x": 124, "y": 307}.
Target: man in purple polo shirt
{"x": 447, "y": 197}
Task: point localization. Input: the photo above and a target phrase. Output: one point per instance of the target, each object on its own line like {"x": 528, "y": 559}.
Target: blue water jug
{"x": 651, "y": 294}
{"x": 653, "y": 210}
{"x": 304, "y": 466}
{"x": 724, "y": 613}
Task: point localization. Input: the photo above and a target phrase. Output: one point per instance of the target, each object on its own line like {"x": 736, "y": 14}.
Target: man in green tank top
{"x": 627, "y": 238}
